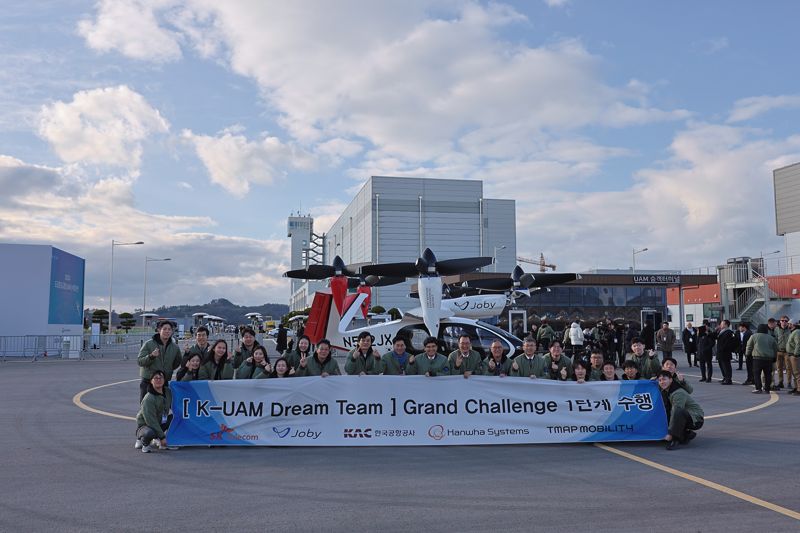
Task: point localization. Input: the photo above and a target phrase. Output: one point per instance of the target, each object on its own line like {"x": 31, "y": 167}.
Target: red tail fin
{"x": 317, "y": 323}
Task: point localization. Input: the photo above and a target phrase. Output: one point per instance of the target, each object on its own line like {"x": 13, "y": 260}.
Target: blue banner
{"x": 413, "y": 411}
{"x": 66, "y": 288}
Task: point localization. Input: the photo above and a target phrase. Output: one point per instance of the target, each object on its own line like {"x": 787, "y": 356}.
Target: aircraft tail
{"x": 317, "y": 324}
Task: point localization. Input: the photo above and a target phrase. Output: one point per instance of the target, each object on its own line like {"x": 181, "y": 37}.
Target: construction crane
{"x": 543, "y": 265}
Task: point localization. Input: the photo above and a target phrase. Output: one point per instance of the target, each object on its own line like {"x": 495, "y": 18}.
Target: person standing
{"x": 497, "y": 364}
{"x": 218, "y": 365}
{"x": 689, "y": 339}
{"x": 557, "y": 365}
{"x": 431, "y": 363}
{"x": 364, "y": 359}
{"x": 395, "y": 362}
{"x": 281, "y": 338}
{"x": 321, "y": 364}
{"x": 647, "y": 364}
{"x": 665, "y": 339}
{"x": 793, "y": 351}
{"x": 465, "y": 361}
{"x": 781, "y": 332}
{"x": 726, "y": 344}
{"x": 705, "y": 352}
{"x": 764, "y": 349}
{"x": 596, "y": 368}
{"x": 528, "y": 363}
{"x": 576, "y": 340}
{"x": 743, "y": 335}
{"x": 201, "y": 346}
{"x": 303, "y": 349}
{"x": 159, "y": 353}
{"x": 246, "y": 348}
{"x": 648, "y": 335}
{"x": 545, "y": 335}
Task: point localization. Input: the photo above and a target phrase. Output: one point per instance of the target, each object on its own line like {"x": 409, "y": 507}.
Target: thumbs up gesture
{"x": 515, "y": 366}
{"x": 492, "y": 365}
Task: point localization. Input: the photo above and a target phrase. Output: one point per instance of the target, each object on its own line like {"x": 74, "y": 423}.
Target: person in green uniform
{"x": 255, "y": 365}
{"x": 302, "y": 349}
{"x": 609, "y": 371}
{"x": 763, "y": 347}
{"x": 684, "y": 414}
{"x": 647, "y": 364}
{"x": 190, "y": 371}
{"x": 558, "y": 365}
{"x": 321, "y": 364}
{"x": 630, "y": 371}
{"x": 155, "y": 414}
{"x": 596, "y": 360}
{"x": 545, "y": 334}
{"x": 671, "y": 364}
{"x": 246, "y": 348}
{"x": 497, "y": 364}
{"x": 465, "y": 360}
{"x": 430, "y": 363}
{"x": 528, "y": 363}
{"x": 218, "y": 365}
{"x": 201, "y": 346}
{"x": 364, "y": 359}
{"x": 395, "y": 362}
{"x": 159, "y": 353}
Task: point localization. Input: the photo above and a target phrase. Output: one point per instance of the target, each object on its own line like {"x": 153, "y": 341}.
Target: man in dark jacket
{"x": 648, "y": 336}
{"x": 689, "y": 339}
{"x": 743, "y": 335}
{"x": 726, "y": 345}
{"x": 684, "y": 414}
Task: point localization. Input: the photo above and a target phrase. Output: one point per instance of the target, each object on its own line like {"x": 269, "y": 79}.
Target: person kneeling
{"x": 684, "y": 415}
{"x": 154, "y": 415}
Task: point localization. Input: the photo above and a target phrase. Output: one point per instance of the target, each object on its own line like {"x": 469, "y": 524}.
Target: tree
{"x": 127, "y": 321}
{"x": 100, "y": 316}
{"x": 378, "y": 310}
{"x": 394, "y": 313}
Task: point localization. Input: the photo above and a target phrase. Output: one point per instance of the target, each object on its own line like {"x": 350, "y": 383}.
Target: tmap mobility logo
{"x": 281, "y": 432}
{"x": 436, "y": 432}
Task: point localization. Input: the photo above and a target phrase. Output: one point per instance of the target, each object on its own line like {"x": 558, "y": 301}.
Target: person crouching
{"x": 684, "y": 414}
{"x": 155, "y": 414}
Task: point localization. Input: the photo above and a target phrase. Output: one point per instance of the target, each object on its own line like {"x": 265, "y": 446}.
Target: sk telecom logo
{"x": 281, "y": 432}
{"x": 223, "y": 429}
{"x": 436, "y": 432}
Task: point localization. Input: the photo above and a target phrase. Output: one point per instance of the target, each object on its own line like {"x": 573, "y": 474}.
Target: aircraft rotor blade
{"x": 394, "y": 270}
{"x": 312, "y": 272}
{"x": 494, "y": 284}
{"x": 451, "y": 267}
{"x": 546, "y": 279}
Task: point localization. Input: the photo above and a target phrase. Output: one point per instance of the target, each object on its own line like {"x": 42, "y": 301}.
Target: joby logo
{"x": 436, "y": 432}
{"x": 458, "y": 304}
{"x": 282, "y": 432}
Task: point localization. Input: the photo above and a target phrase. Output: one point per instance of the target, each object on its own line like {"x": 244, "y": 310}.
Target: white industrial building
{"x": 394, "y": 219}
{"x": 787, "y": 211}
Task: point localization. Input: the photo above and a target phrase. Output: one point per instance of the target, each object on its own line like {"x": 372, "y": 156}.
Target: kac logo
{"x": 356, "y": 433}
{"x": 281, "y": 432}
{"x": 436, "y": 432}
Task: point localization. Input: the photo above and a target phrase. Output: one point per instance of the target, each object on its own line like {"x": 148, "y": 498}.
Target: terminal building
{"x": 394, "y": 219}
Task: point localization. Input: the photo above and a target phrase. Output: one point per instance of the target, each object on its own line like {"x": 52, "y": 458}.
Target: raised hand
{"x": 303, "y": 360}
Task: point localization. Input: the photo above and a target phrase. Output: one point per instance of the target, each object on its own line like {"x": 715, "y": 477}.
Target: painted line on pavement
{"x": 77, "y": 400}
{"x": 706, "y": 483}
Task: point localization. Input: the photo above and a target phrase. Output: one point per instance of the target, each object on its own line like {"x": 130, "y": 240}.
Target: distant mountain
{"x": 232, "y": 313}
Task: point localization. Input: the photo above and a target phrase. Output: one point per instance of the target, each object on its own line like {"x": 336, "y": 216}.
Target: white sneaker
{"x": 138, "y": 445}
{"x": 147, "y": 449}
{"x": 156, "y": 444}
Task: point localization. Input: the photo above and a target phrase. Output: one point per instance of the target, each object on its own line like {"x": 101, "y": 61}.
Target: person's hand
{"x": 492, "y": 364}
{"x": 376, "y": 354}
{"x": 411, "y": 359}
{"x": 355, "y": 355}
{"x": 324, "y": 375}
{"x": 532, "y": 376}
{"x": 268, "y": 368}
{"x": 467, "y": 374}
{"x": 428, "y": 374}
{"x": 459, "y": 360}
{"x": 502, "y": 375}
{"x": 249, "y": 360}
{"x": 239, "y": 347}
{"x": 292, "y": 371}
{"x": 362, "y": 373}
{"x": 154, "y": 353}
{"x": 651, "y": 353}
{"x": 515, "y": 366}
{"x": 668, "y": 437}
{"x": 303, "y": 361}
{"x": 230, "y": 356}
{"x": 564, "y": 373}
{"x": 554, "y": 366}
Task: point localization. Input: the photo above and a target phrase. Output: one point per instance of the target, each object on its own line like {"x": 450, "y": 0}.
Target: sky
{"x": 199, "y": 126}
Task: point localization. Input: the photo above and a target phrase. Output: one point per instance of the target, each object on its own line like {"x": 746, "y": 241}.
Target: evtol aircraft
{"x": 333, "y": 310}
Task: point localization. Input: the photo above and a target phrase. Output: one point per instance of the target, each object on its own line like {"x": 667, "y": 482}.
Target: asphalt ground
{"x": 67, "y": 469}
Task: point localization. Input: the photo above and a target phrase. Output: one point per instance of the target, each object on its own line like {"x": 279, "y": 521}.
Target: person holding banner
{"x": 684, "y": 414}
{"x": 190, "y": 371}
{"x": 497, "y": 364}
{"x": 465, "y": 360}
{"x": 529, "y": 363}
{"x": 609, "y": 371}
{"x": 431, "y": 363}
{"x": 219, "y": 365}
{"x": 155, "y": 414}
{"x": 630, "y": 371}
{"x": 159, "y": 353}
{"x": 364, "y": 359}
{"x": 580, "y": 371}
{"x": 672, "y": 365}
{"x": 303, "y": 349}
{"x": 395, "y": 362}
{"x": 321, "y": 364}
{"x": 255, "y": 365}
{"x": 559, "y": 366}
{"x": 647, "y": 365}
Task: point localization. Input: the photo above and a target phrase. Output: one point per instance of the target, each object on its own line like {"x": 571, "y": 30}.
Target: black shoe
{"x": 757, "y": 391}
{"x": 702, "y": 379}
{"x": 671, "y": 445}
{"x": 779, "y": 387}
{"x": 728, "y": 382}
{"x": 748, "y": 382}
{"x": 690, "y": 435}
{"x": 791, "y": 392}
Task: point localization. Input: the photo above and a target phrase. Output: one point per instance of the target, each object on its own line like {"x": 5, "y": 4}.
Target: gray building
{"x": 394, "y": 219}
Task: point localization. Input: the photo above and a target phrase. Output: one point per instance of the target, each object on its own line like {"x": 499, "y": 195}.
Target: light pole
{"x": 111, "y": 277}
{"x": 144, "y": 301}
{"x": 633, "y": 256}
{"x": 494, "y": 256}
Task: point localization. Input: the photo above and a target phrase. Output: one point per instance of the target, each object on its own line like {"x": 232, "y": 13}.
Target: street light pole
{"x": 633, "y": 257}
{"x": 144, "y": 301}
{"x": 494, "y": 256}
{"x": 111, "y": 278}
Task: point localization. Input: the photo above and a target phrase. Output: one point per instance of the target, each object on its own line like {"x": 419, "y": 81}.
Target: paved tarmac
{"x": 66, "y": 469}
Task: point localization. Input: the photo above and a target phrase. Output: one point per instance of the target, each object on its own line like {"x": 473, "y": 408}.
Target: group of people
{"x": 160, "y": 356}
{"x": 771, "y": 355}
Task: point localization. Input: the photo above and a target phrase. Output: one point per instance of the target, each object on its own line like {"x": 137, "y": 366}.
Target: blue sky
{"x": 198, "y": 126}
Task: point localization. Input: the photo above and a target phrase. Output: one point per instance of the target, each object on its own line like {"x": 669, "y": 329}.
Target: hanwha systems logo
{"x": 436, "y": 432}
{"x": 281, "y": 432}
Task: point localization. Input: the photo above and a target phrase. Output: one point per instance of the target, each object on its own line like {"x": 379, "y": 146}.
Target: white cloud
{"x": 101, "y": 126}
{"x": 132, "y": 28}
{"x": 234, "y": 162}
{"x": 747, "y": 108}
{"x": 556, "y": 3}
